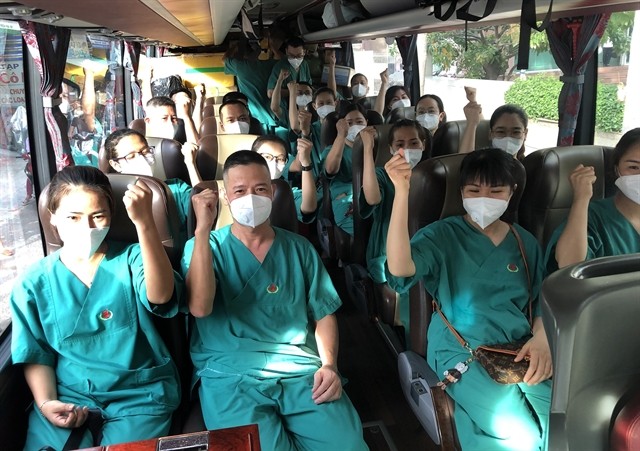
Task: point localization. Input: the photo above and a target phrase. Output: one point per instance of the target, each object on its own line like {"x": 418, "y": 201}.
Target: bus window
{"x": 20, "y": 241}
{"x": 618, "y": 87}
{"x": 92, "y": 94}
{"x": 372, "y": 56}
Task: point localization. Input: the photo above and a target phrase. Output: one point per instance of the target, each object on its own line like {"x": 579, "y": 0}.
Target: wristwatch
{"x": 306, "y": 168}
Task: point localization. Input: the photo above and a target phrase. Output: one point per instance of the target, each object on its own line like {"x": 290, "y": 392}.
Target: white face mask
{"x": 401, "y": 103}
{"x": 64, "y": 107}
{"x": 508, "y": 144}
{"x": 275, "y": 169}
{"x": 77, "y": 112}
{"x": 250, "y": 210}
{"x": 303, "y": 100}
{"x": 81, "y": 242}
{"x": 413, "y": 156}
{"x": 630, "y": 186}
{"x": 484, "y": 211}
{"x": 358, "y": 90}
{"x": 429, "y": 121}
{"x": 236, "y": 128}
{"x": 296, "y": 62}
{"x": 161, "y": 131}
{"x": 324, "y": 110}
{"x": 353, "y": 132}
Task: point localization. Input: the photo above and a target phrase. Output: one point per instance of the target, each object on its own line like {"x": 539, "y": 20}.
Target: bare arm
{"x": 334, "y": 158}
{"x": 275, "y": 96}
{"x": 294, "y": 124}
{"x": 198, "y": 106}
{"x": 201, "y": 280}
{"x": 309, "y": 195}
{"x": 183, "y": 111}
{"x": 539, "y": 353}
{"x": 473, "y": 113}
{"x": 158, "y": 273}
{"x": 399, "y": 257}
{"x": 384, "y": 79}
{"x": 572, "y": 244}
{"x": 189, "y": 150}
{"x": 327, "y": 385}
{"x": 88, "y": 100}
{"x": 370, "y": 187}
{"x": 330, "y": 58}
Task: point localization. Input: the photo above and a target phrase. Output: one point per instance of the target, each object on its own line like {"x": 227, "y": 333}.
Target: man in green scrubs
{"x": 264, "y": 345}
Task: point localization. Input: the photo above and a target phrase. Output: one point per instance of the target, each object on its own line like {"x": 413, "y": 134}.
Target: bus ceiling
{"x": 198, "y": 23}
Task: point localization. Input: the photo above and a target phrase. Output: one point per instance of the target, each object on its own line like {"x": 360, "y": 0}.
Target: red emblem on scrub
{"x": 272, "y": 288}
{"x": 512, "y": 267}
{"x": 106, "y": 314}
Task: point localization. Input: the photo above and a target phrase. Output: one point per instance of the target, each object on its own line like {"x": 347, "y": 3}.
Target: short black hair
{"x": 358, "y": 75}
{"x": 260, "y": 140}
{"x": 243, "y": 158}
{"x": 307, "y": 83}
{"x": 294, "y": 42}
{"x": 235, "y": 95}
{"x": 508, "y": 109}
{"x": 158, "y": 101}
{"x": 114, "y": 138}
{"x": 323, "y": 90}
{"x": 402, "y": 123}
{"x": 233, "y": 102}
{"x": 85, "y": 177}
{"x": 490, "y": 166}
{"x": 628, "y": 140}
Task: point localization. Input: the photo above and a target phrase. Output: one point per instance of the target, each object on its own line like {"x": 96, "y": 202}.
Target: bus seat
{"x": 208, "y": 111}
{"x": 447, "y": 137}
{"x": 435, "y": 194}
{"x": 283, "y": 208}
{"x": 138, "y": 125}
{"x": 625, "y": 433}
{"x": 213, "y": 152}
{"x": 165, "y": 214}
{"x": 209, "y": 101}
{"x": 255, "y": 127}
{"x": 407, "y": 112}
{"x": 374, "y": 118}
{"x": 590, "y": 313}
{"x": 168, "y": 156}
{"x": 209, "y": 126}
{"x": 548, "y": 196}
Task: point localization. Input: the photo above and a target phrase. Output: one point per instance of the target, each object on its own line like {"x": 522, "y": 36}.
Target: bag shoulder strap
{"x": 526, "y": 268}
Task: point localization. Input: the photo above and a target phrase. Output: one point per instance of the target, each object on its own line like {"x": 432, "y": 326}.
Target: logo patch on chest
{"x": 512, "y": 267}
{"x": 105, "y": 315}
{"x": 272, "y": 288}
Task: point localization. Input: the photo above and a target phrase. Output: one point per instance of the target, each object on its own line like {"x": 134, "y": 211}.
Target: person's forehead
{"x": 405, "y": 133}
{"x": 324, "y": 97}
{"x": 272, "y": 148}
{"x": 358, "y": 79}
{"x": 79, "y": 198}
{"x": 428, "y": 102}
{"x": 354, "y": 115}
{"x": 249, "y": 174}
{"x": 129, "y": 142}
{"x": 234, "y": 110}
{"x": 164, "y": 110}
{"x": 399, "y": 93}
{"x": 509, "y": 120}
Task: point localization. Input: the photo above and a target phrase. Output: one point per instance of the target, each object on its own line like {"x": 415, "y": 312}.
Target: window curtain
{"x": 113, "y": 117}
{"x": 131, "y": 61}
{"x": 48, "y": 46}
{"x": 573, "y": 42}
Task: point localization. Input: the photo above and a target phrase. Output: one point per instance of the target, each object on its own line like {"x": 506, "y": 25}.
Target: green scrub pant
{"x": 287, "y": 417}
{"x": 120, "y": 429}
{"x": 491, "y": 416}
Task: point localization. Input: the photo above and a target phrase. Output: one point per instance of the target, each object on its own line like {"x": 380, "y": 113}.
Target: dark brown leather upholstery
{"x": 209, "y": 111}
{"x": 547, "y": 198}
{"x": 169, "y": 160}
{"x": 138, "y": 125}
{"x": 447, "y": 138}
{"x": 407, "y": 112}
{"x": 210, "y": 101}
{"x": 214, "y": 150}
{"x": 283, "y": 208}
{"x": 209, "y": 126}
{"x": 256, "y": 127}
{"x": 625, "y": 434}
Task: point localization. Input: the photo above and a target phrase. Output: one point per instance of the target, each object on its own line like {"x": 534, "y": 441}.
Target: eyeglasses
{"x": 146, "y": 152}
{"x": 269, "y": 157}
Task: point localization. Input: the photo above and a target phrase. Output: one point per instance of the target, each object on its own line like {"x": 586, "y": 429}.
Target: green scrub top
{"x": 100, "y": 340}
{"x": 482, "y": 288}
{"x": 608, "y": 233}
{"x": 262, "y": 323}
{"x": 380, "y": 214}
{"x": 341, "y": 188}
{"x": 252, "y": 77}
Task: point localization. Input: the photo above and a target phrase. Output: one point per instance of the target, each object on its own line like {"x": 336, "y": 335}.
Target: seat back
{"x": 255, "y": 127}
{"x": 548, "y": 196}
{"x": 447, "y": 138}
{"x": 283, "y": 208}
{"x": 625, "y": 433}
{"x": 213, "y": 152}
{"x": 590, "y": 313}
{"x": 138, "y": 125}
{"x": 407, "y": 112}
{"x": 209, "y": 111}
{"x": 210, "y": 101}
{"x": 209, "y": 126}
{"x": 435, "y": 194}
{"x": 169, "y": 160}
{"x": 179, "y": 135}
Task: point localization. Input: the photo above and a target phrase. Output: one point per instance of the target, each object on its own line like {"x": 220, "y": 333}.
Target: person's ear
{"x": 526, "y": 130}
{"x": 147, "y": 120}
{"x": 223, "y": 197}
{"x": 115, "y": 165}
{"x": 53, "y": 219}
